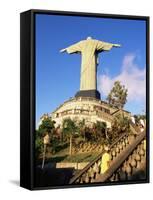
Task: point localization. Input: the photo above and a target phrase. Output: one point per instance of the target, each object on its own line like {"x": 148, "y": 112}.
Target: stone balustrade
{"x": 99, "y": 113}
{"x": 87, "y": 147}
{"x": 133, "y": 167}
{"x": 93, "y": 169}
{"x": 121, "y": 149}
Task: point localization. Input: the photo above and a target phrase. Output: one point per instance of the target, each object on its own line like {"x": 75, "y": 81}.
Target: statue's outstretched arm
{"x": 105, "y": 46}
{"x": 116, "y": 45}
{"x": 62, "y": 50}
{"x": 69, "y": 50}
{"x": 75, "y": 48}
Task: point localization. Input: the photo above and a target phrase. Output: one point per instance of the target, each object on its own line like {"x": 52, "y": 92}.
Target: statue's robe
{"x": 89, "y": 50}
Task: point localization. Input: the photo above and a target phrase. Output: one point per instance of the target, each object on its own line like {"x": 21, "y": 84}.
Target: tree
{"x": 100, "y": 130}
{"x": 46, "y": 127}
{"x": 38, "y": 143}
{"x": 118, "y": 95}
{"x": 81, "y": 129}
{"x": 120, "y": 124}
{"x": 69, "y": 129}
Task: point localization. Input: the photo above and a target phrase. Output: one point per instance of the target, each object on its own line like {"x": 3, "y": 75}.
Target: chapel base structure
{"x": 90, "y": 109}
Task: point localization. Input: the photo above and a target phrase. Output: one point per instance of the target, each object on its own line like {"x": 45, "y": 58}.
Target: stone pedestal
{"x": 88, "y": 93}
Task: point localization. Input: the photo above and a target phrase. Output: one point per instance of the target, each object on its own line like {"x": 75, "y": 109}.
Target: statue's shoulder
{"x": 82, "y": 41}
{"x": 99, "y": 41}
{"x": 92, "y": 41}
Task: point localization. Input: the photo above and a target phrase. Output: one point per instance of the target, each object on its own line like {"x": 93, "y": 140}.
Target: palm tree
{"x": 69, "y": 129}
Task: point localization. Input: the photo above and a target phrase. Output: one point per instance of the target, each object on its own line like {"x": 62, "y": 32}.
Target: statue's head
{"x": 89, "y": 38}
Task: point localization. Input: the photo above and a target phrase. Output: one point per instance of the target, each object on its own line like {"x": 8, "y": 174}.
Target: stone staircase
{"x": 128, "y": 161}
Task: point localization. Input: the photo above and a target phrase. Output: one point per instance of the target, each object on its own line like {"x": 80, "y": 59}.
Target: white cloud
{"x": 131, "y": 75}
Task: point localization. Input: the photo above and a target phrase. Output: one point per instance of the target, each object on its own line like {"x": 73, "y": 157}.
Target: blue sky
{"x": 58, "y": 74}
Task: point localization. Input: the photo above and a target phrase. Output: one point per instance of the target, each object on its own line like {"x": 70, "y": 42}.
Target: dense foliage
{"x": 74, "y": 133}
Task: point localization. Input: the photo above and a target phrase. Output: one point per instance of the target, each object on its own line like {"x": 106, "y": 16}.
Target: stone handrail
{"x": 126, "y": 142}
{"x": 79, "y": 174}
{"x": 115, "y": 165}
{"x": 115, "y": 111}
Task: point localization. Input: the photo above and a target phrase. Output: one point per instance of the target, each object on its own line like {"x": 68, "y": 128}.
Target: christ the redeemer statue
{"x": 89, "y": 50}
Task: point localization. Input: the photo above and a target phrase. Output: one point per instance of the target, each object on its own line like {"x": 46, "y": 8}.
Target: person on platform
{"x": 142, "y": 122}
{"x": 133, "y": 119}
{"x": 105, "y": 160}
{"x": 141, "y": 125}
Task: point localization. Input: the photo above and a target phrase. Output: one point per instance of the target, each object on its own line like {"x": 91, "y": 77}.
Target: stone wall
{"x": 77, "y": 166}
